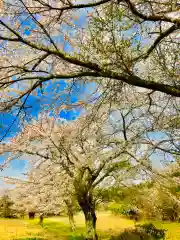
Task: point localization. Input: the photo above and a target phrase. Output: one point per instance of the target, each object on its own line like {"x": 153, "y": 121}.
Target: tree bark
{"x": 90, "y": 218}
{"x": 31, "y": 215}
{"x": 88, "y": 209}
{"x": 70, "y": 215}
{"x": 71, "y": 220}
{"x": 41, "y": 218}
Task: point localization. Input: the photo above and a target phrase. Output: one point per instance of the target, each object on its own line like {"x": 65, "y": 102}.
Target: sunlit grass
{"x": 57, "y": 228}
{"x": 105, "y": 221}
{"x": 20, "y": 230}
{"x": 107, "y": 225}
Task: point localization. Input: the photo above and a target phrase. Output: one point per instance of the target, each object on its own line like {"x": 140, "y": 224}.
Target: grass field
{"x": 57, "y": 228}
{"x": 18, "y": 229}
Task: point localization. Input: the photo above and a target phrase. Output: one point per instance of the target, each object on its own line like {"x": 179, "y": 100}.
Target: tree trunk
{"x": 71, "y": 220}
{"x": 90, "y": 218}
{"x": 31, "y": 215}
{"x": 41, "y": 218}
{"x": 88, "y": 209}
{"x": 70, "y": 215}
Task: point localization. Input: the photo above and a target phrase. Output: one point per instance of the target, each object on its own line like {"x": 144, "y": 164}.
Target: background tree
{"x": 6, "y": 204}
{"x": 45, "y": 192}
{"x": 157, "y": 198}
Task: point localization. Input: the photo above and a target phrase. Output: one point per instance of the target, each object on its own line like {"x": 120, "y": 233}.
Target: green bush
{"x": 151, "y": 230}
{"x": 141, "y": 232}
{"x": 119, "y": 208}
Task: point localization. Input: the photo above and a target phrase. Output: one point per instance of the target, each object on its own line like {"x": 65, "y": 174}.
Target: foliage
{"x": 74, "y": 159}
{"x": 164, "y": 196}
{"x": 118, "y": 58}
{"x": 154, "y": 199}
{"x": 158, "y": 199}
{"x": 45, "y": 193}
{"x": 45, "y": 43}
{"x": 78, "y": 160}
{"x": 144, "y": 232}
{"x": 151, "y": 230}
{"x": 6, "y": 210}
{"x": 118, "y": 208}
{"x": 112, "y": 144}
{"x": 115, "y": 208}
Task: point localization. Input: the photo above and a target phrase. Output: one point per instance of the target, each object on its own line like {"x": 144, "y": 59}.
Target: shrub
{"x": 125, "y": 210}
{"x": 117, "y": 208}
{"x": 141, "y": 232}
{"x": 151, "y": 230}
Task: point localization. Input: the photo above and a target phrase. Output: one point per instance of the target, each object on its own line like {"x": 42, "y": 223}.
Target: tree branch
{"x": 98, "y": 71}
{"x": 44, "y": 56}
{"x": 124, "y": 127}
{"x": 78, "y": 6}
{"x": 160, "y": 38}
{"x": 154, "y": 18}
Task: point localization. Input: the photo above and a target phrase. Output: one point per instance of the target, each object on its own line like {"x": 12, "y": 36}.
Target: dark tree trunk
{"x": 88, "y": 209}
{"x": 41, "y": 218}
{"x": 31, "y": 215}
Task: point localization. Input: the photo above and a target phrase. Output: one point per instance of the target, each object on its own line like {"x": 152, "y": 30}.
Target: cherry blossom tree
{"x": 45, "y": 191}
{"x": 130, "y": 49}
{"x": 90, "y": 157}
{"x": 44, "y": 42}
{"x": 110, "y": 144}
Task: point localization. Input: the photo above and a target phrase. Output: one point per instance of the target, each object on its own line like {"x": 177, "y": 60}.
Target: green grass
{"x": 57, "y": 228}
{"x": 107, "y": 225}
